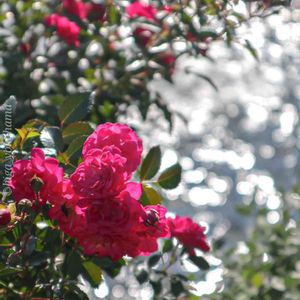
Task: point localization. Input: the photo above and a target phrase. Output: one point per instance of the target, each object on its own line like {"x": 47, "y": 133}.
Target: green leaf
{"x": 110, "y": 267}
{"x": 257, "y": 280}
{"x": 207, "y": 33}
{"x": 94, "y": 273}
{"x": 74, "y": 150}
{"x": 245, "y": 210}
{"x": 51, "y": 138}
{"x": 200, "y": 262}
{"x": 150, "y": 196}
{"x": 188, "y": 70}
{"x": 168, "y": 246}
{"x": 75, "y": 108}
{"x": 177, "y": 287}
{"x": 113, "y": 15}
{"x": 153, "y": 260}
{"x": 142, "y": 276}
{"x": 151, "y": 164}
{"x": 170, "y": 178}
{"x": 157, "y": 287}
{"x": 76, "y": 129}
{"x": 251, "y": 49}
{"x": 72, "y": 265}
{"x": 9, "y": 271}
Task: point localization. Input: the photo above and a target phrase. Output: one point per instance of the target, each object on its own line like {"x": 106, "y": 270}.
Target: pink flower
{"x": 111, "y": 226}
{"x": 97, "y": 11}
{"x": 77, "y": 8}
{"x": 190, "y": 234}
{"x": 67, "y": 30}
{"x": 120, "y": 136}
{"x": 101, "y": 174}
{"x": 5, "y": 216}
{"x": 39, "y": 177}
{"x": 168, "y": 61}
{"x": 25, "y": 48}
{"x": 137, "y": 9}
{"x": 66, "y": 212}
{"x": 143, "y": 36}
{"x": 153, "y": 225}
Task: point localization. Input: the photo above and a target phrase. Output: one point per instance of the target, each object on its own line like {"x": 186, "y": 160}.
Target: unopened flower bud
{"x": 36, "y": 183}
{"x": 152, "y": 217}
{"x": 5, "y": 216}
{"x": 25, "y": 202}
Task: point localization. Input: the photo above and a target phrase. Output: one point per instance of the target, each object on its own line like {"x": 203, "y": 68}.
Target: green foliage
{"x": 170, "y": 178}
{"x": 151, "y": 164}
{"x": 266, "y": 265}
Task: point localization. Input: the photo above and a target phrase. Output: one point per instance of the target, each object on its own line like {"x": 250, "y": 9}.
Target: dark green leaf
{"x": 74, "y": 150}
{"x": 94, "y": 273}
{"x": 51, "y": 138}
{"x": 72, "y": 265}
{"x": 168, "y": 246}
{"x": 76, "y": 129}
{"x": 188, "y": 70}
{"x": 177, "y": 287}
{"x": 153, "y": 260}
{"x": 142, "y": 276}
{"x": 9, "y": 271}
{"x": 75, "y": 108}
{"x": 151, "y": 164}
{"x": 200, "y": 262}
{"x": 157, "y": 287}
{"x": 251, "y": 49}
{"x": 207, "y": 34}
{"x": 170, "y": 178}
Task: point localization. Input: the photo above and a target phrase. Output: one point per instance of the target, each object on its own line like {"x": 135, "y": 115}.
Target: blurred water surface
{"x": 238, "y": 144}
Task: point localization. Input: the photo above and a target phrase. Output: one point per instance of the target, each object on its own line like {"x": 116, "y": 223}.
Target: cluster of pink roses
{"x": 98, "y": 205}
{"x": 69, "y": 31}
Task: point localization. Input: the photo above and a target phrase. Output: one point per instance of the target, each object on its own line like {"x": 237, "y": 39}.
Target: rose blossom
{"x": 190, "y": 234}
{"x": 120, "y": 136}
{"x": 67, "y": 30}
{"x": 111, "y": 225}
{"x": 137, "y": 9}
{"x": 77, "y": 8}
{"x": 66, "y": 212}
{"x": 38, "y": 177}
{"x": 101, "y": 174}
{"x": 153, "y": 226}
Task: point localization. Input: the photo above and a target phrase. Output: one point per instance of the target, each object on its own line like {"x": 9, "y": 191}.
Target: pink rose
{"x": 120, "y": 136}
{"x": 153, "y": 225}
{"x": 168, "y": 61}
{"x": 38, "y": 177}
{"x": 143, "y": 36}
{"x": 97, "y": 11}
{"x": 66, "y": 212}
{"x": 111, "y": 226}
{"x": 67, "y": 30}
{"x": 77, "y": 8}
{"x": 101, "y": 174}
{"x": 137, "y": 9}
{"x": 190, "y": 234}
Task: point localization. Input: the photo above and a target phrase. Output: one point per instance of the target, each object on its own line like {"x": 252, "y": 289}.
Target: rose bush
{"x": 90, "y": 211}
{"x": 55, "y": 50}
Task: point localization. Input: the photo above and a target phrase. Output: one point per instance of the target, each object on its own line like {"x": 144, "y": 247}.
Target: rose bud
{"x": 152, "y": 217}
{"x": 36, "y": 183}
{"x": 5, "y": 216}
